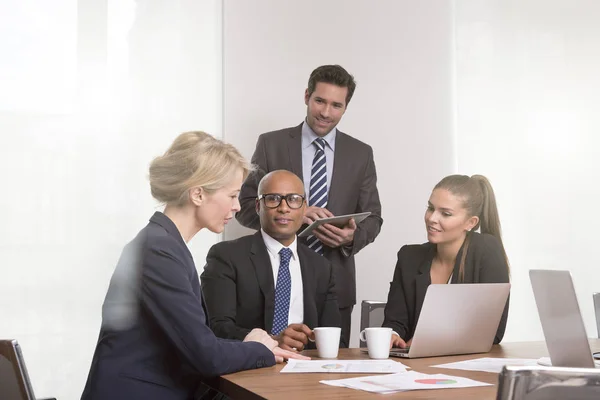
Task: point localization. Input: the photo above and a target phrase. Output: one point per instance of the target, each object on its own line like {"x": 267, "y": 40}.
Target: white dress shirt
{"x": 296, "y": 312}
{"x": 308, "y": 154}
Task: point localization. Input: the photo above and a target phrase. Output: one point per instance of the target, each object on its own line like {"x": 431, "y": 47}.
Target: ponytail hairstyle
{"x": 479, "y": 201}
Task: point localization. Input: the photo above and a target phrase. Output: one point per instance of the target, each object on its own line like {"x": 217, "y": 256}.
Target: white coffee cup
{"x": 378, "y": 341}
{"x": 328, "y": 341}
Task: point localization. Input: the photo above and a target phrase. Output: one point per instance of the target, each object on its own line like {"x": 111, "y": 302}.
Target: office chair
{"x": 14, "y": 379}
{"x": 548, "y": 383}
{"x": 597, "y": 309}
{"x": 371, "y": 314}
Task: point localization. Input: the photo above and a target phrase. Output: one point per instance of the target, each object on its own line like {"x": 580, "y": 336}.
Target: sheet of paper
{"x": 344, "y": 366}
{"x": 546, "y": 362}
{"x": 410, "y": 380}
{"x": 488, "y": 364}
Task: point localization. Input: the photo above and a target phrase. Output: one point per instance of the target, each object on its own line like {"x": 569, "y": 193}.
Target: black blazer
{"x": 155, "y": 342}
{"x": 485, "y": 263}
{"x": 353, "y": 189}
{"x": 240, "y": 293}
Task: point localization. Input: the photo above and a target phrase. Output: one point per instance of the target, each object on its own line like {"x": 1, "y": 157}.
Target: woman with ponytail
{"x": 455, "y": 253}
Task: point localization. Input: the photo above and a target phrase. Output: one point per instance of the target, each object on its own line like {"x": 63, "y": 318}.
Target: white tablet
{"x": 338, "y": 221}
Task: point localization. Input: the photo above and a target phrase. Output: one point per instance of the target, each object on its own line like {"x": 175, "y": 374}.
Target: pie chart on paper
{"x": 332, "y": 366}
{"x": 436, "y": 381}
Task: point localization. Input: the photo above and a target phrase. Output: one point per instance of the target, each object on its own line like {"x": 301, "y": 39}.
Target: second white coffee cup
{"x": 328, "y": 341}
{"x": 378, "y": 341}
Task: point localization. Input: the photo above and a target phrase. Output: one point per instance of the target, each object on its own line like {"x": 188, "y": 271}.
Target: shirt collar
{"x": 309, "y": 136}
{"x": 274, "y": 247}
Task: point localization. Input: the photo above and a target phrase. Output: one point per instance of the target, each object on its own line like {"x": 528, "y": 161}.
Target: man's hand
{"x": 333, "y": 236}
{"x": 311, "y": 214}
{"x": 295, "y": 336}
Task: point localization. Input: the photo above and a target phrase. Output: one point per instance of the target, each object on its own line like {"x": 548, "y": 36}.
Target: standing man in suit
{"x": 339, "y": 178}
{"x": 268, "y": 280}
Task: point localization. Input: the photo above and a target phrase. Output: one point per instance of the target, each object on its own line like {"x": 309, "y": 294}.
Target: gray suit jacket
{"x": 353, "y": 189}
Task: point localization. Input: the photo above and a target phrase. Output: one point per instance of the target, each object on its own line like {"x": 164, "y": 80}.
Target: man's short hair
{"x": 335, "y": 75}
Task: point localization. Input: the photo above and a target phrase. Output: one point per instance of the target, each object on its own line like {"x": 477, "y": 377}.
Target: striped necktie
{"x": 318, "y": 188}
{"x": 283, "y": 291}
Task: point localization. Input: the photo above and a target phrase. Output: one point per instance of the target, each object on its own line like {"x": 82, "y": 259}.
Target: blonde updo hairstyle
{"x": 195, "y": 159}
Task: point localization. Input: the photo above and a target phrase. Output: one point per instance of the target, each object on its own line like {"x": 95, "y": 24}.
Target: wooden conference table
{"x": 268, "y": 383}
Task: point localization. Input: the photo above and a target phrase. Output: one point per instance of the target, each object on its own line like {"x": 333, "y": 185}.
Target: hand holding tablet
{"x": 338, "y": 221}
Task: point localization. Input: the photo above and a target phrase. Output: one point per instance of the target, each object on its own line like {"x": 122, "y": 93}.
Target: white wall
{"x": 527, "y": 100}
{"x": 75, "y": 152}
{"x": 506, "y": 89}
{"x": 400, "y": 53}
{"x": 94, "y": 89}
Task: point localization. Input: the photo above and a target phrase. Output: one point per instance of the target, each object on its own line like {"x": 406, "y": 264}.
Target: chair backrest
{"x": 371, "y": 314}
{"x": 549, "y": 383}
{"x": 14, "y": 380}
{"x": 597, "y": 308}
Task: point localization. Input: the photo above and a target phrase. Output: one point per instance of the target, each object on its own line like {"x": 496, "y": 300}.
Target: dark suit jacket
{"x": 238, "y": 286}
{"x": 154, "y": 341}
{"x": 353, "y": 189}
{"x": 485, "y": 263}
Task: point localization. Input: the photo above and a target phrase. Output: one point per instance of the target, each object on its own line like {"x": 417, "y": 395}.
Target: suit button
{"x": 260, "y": 363}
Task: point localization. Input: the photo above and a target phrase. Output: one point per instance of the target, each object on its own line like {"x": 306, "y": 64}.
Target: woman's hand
{"x": 282, "y": 355}
{"x": 260, "y": 336}
{"x": 397, "y": 341}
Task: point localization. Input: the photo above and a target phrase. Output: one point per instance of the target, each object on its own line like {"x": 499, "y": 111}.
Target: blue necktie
{"x": 283, "y": 290}
{"x": 318, "y": 188}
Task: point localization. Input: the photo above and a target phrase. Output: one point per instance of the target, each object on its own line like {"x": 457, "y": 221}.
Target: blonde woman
{"x": 458, "y": 206}
{"x": 154, "y": 341}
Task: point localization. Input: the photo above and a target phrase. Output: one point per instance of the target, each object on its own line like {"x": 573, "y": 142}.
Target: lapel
{"x": 206, "y": 316}
{"x": 295, "y": 150}
{"x": 337, "y": 175}
{"x": 164, "y": 221}
{"x": 264, "y": 274}
{"x": 456, "y": 270}
{"x": 423, "y": 280}
{"x": 308, "y": 290}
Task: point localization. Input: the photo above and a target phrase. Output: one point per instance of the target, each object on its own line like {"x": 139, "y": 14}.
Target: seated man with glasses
{"x": 269, "y": 280}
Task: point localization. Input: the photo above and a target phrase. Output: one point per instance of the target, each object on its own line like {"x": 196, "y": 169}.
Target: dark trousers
{"x": 346, "y": 313}
{"x": 206, "y": 392}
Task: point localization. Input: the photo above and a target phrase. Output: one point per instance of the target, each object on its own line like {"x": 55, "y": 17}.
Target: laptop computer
{"x": 14, "y": 380}
{"x": 457, "y": 319}
{"x": 564, "y": 331}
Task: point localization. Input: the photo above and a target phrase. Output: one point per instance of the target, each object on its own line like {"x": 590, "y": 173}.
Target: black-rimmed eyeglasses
{"x": 273, "y": 200}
